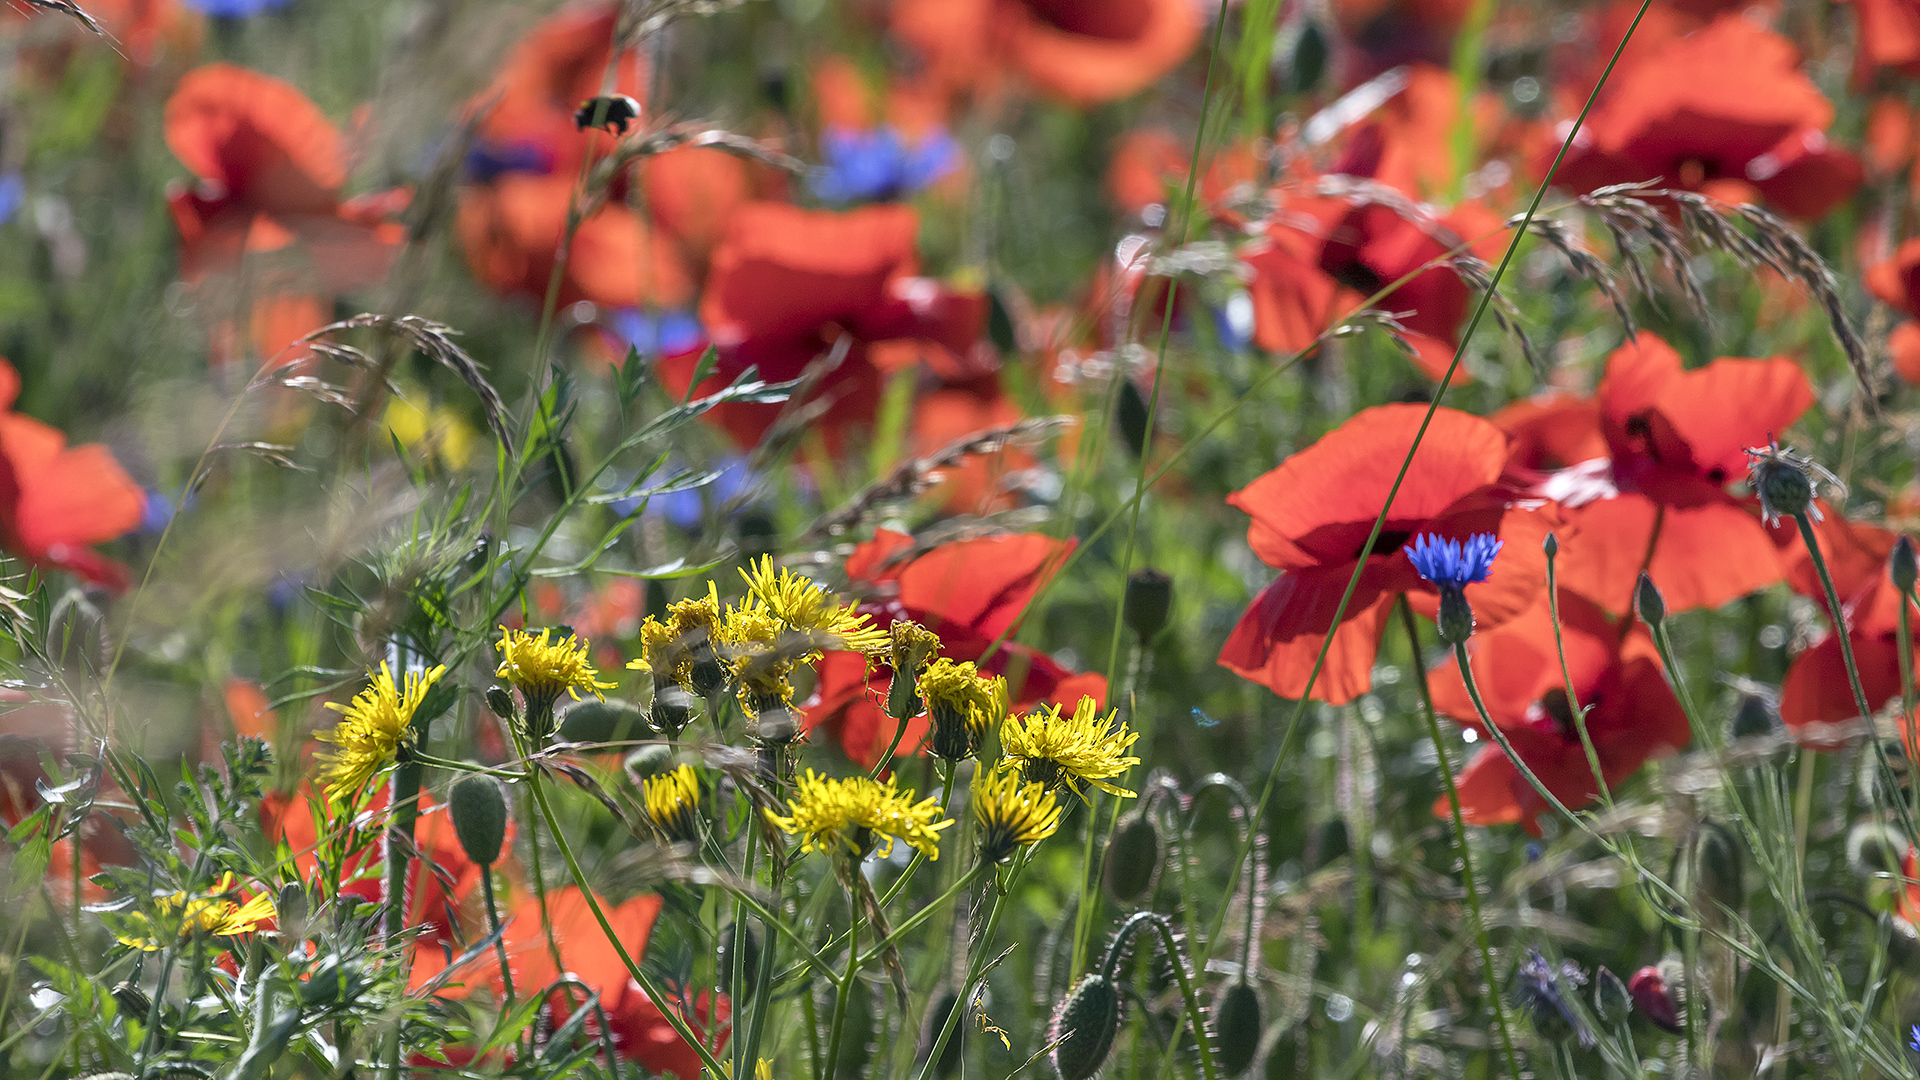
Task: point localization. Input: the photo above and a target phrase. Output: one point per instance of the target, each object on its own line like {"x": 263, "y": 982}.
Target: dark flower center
{"x": 1388, "y": 542}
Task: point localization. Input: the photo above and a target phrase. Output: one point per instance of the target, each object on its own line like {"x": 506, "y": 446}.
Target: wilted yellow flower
{"x": 1051, "y": 749}
{"x": 803, "y": 605}
{"x": 672, "y": 802}
{"x": 851, "y": 816}
{"x": 370, "y": 730}
{"x": 1012, "y": 813}
{"x": 215, "y": 915}
{"x": 961, "y": 704}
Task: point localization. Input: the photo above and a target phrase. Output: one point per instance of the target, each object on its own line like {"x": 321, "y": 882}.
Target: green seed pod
{"x": 1784, "y": 488}
{"x": 1133, "y": 857}
{"x": 1149, "y": 600}
{"x": 937, "y": 1014}
{"x": 1236, "y": 1027}
{"x": 500, "y": 700}
{"x": 1611, "y": 1002}
{"x": 1648, "y": 602}
{"x": 596, "y": 721}
{"x": 1902, "y": 566}
{"x": 1084, "y": 1027}
{"x": 479, "y": 810}
{"x": 1717, "y": 868}
{"x": 649, "y": 761}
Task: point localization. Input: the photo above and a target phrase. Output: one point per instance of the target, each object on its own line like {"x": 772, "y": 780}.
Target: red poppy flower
{"x": 55, "y": 500}
{"x": 1085, "y": 51}
{"x": 1816, "y": 689}
{"x": 1634, "y": 714}
{"x": 1674, "y": 440}
{"x": 1888, "y": 36}
{"x": 969, "y": 592}
{"x": 1725, "y": 110}
{"x": 788, "y": 283}
{"x": 1896, "y": 281}
{"x": 1150, "y": 164}
{"x": 1311, "y": 517}
{"x": 943, "y": 416}
{"x": 639, "y": 1029}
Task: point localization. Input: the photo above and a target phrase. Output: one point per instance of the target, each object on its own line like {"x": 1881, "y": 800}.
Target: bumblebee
{"x": 612, "y": 112}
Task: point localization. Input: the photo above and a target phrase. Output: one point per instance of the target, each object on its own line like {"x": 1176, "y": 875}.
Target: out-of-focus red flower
{"x": 969, "y": 592}
{"x": 1888, "y": 36}
{"x": 269, "y": 168}
{"x": 1149, "y": 163}
{"x": 788, "y": 283}
{"x": 639, "y": 1029}
{"x": 1897, "y": 282}
{"x": 943, "y": 416}
{"x": 1084, "y": 51}
{"x": 1674, "y": 440}
{"x": 56, "y": 500}
{"x": 1724, "y": 110}
{"x": 1655, "y": 1000}
{"x": 1634, "y": 714}
{"x": 1311, "y": 517}
{"x": 1816, "y": 689}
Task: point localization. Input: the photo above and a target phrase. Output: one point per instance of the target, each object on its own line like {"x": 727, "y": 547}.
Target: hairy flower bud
{"x": 1133, "y": 857}
{"x": 1149, "y": 601}
{"x": 1780, "y": 478}
{"x": 1902, "y": 565}
{"x": 1236, "y": 1027}
{"x": 500, "y": 700}
{"x": 597, "y": 721}
{"x": 1084, "y": 1028}
{"x": 672, "y": 708}
{"x": 479, "y": 810}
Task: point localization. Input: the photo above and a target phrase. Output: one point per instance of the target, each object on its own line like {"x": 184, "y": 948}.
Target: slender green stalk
{"x": 493, "y": 927}
{"x": 1566, "y": 675}
{"x": 1179, "y": 964}
{"x": 977, "y": 967}
{"x": 1461, "y": 840}
{"x": 847, "y": 982}
{"x": 948, "y": 769}
{"x": 647, "y": 985}
{"x": 737, "y": 978}
{"x": 925, "y": 912}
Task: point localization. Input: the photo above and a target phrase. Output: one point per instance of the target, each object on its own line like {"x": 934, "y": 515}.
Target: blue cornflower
{"x": 877, "y": 165}
{"x": 1545, "y": 990}
{"x": 235, "y": 9}
{"x": 1913, "y": 1038}
{"x": 1452, "y": 565}
{"x": 13, "y": 193}
{"x": 668, "y": 332}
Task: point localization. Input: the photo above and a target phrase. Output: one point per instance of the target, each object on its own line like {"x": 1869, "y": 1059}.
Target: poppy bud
{"x": 479, "y": 810}
{"x": 672, "y": 708}
{"x": 1611, "y": 1002}
{"x": 949, "y": 1062}
{"x": 1084, "y": 1027}
{"x": 133, "y": 1001}
{"x": 596, "y": 721}
{"x": 1149, "y": 600}
{"x": 1647, "y": 601}
{"x": 1874, "y": 848}
{"x": 1717, "y": 866}
{"x": 1902, "y": 566}
{"x": 1782, "y": 483}
{"x": 1236, "y": 1027}
{"x": 1133, "y": 857}
{"x": 1656, "y": 1001}
{"x": 1753, "y": 716}
{"x": 501, "y": 702}
{"x": 612, "y": 112}
{"x": 650, "y": 760}
{"x": 1551, "y": 545}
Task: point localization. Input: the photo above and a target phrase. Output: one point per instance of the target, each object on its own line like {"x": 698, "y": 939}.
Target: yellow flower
{"x": 537, "y": 665}
{"x": 441, "y": 431}
{"x": 370, "y": 730}
{"x": 1054, "y": 750}
{"x": 215, "y": 915}
{"x": 672, "y": 803}
{"x": 1012, "y": 813}
{"x": 804, "y": 605}
{"x": 851, "y": 816}
{"x": 962, "y": 704}
{"x": 680, "y": 649}
{"x": 912, "y": 646}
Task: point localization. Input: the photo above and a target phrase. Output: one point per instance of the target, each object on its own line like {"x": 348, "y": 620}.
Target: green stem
{"x": 926, "y": 912}
{"x": 1566, "y": 675}
{"x": 647, "y": 985}
{"x": 1911, "y": 739}
{"x": 946, "y": 797}
{"x": 847, "y": 982}
{"x": 1461, "y": 840}
{"x": 493, "y": 927}
{"x": 1178, "y": 961}
{"x": 976, "y": 967}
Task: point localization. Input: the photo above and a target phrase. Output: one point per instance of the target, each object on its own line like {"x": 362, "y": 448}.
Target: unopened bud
{"x": 1754, "y": 715}
{"x": 133, "y": 1001}
{"x": 1902, "y": 565}
{"x": 1236, "y": 1027}
{"x": 1656, "y": 1001}
{"x": 1456, "y": 616}
{"x": 1648, "y": 603}
{"x": 1084, "y": 1028}
{"x": 672, "y": 708}
{"x": 500, "y": 700}
{"x": 903, "y": 697}
{"x": 1551, "y": 545}
{"x": 1149, "y": 601}
{"x": 1784, "y": 487}
{"x": 1717, "y": 868}
{"x": 597, "y": 721}
{"x": 1133, "y": 857}
{"x": 479, "y": 810}
{"x": 650, "y": 760}
{"x": 1903, "y": 944}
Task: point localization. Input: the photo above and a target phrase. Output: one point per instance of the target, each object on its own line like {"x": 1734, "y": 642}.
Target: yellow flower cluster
{"x": 1058, "y": 751}
{"x": 962, "y": 704}
{"x": 852, "y": 816}
{"x": 214, "y": 915}
{"x": 371, "y": 728}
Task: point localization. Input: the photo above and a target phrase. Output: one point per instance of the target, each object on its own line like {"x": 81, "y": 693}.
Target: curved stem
{"x": 1910, "y": 739}
{"x": 1574, "y": 707}
{"x": 1460, "y": 839}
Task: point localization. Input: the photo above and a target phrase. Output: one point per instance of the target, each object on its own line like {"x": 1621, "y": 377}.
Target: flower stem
{"x": 1461, "y": 839}
{"x": 977, "y": 967}
{"x": 844, "y": 995}
{"x": 1566, "y": 674}
{"x": 493, "y": 927}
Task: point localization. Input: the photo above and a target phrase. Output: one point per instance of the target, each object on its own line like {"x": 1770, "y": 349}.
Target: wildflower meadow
{"x": 939, "y": 539}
